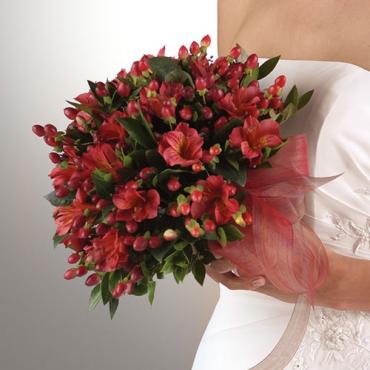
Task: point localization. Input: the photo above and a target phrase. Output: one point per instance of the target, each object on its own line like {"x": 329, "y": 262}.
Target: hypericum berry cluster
{"x": 153, "y": 163}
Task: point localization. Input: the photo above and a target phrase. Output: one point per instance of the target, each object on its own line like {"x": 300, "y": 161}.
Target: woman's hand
{"x": 347, "y": 285}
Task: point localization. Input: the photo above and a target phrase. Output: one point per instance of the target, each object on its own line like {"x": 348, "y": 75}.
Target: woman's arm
{"x": 347, "y": 286}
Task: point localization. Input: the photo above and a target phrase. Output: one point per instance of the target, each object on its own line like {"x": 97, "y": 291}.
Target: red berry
{"x": 247, "y": 216}
{"x": 92, "y": 279}
{"x": 119, "y": 289}
{"x": 280, "y": 81}
{"x": 185, "y": 209}
{"x": 38, "y": 130}
{"x": 50, "y": 141}
{"x": 232, "y": 190}
{"x": 123, "y": 89}
{"x": 81, "y": 271}
{"x": 197, "y": 167}
{"x": 101, "y": 229}
{"x": 54, "y": 157}
{"x": 95, "y": 198}
{"x": 183, "y": 52}
{"x": 131, "y": 185}
{"x": 70, "y": 274}
{"x": 50, "y": 130}
{"x": 194, "y": 48}
{"x": 196, "y": 196}
{"x": 276, "y": 103}
{"x": 131, "y": 227}
{"x": 221, "y": 122}
{"x": 173, "y": 184}
{"x": 102, "y": 203}
{"x": 100, "y": 89}
{"x": 263, "y": 104}
{"x": 110, "y": 219}
{"x": 70, "y": 113}
{"x": 274, "y": 90}
{"x": 155, "y": 241}
{"x": 128, "y": 240}
{"x": 61, "y": 192}
{"x": 132, "y": 108}
{"x": 205, "y": 41}
{"x": 129, "y": 287}
{"x": 186, "y": 113}
{"x": 73, "y": 258}
{"x": 207, "y": 111}
{"x": 200, "y": 83}
{"x": 153, "y": 85}
{"x": 136, "y": 274}
{"x": 209, "y": 226}
{"x": 140, "y": 244}
{"x": 146, "y": 172}
{"x": 173, "y": 211}
{"x": 235, "y": 52}
{"x": 251, "y": 61}
{"x": 215, "y": 150}
{"x": 195, "y": 232}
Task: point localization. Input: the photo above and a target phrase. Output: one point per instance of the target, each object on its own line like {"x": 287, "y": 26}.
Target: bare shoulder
{"x": 297, "y": 29}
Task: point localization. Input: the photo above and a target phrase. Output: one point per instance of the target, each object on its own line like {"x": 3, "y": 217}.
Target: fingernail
{"x": 258, "y": 282}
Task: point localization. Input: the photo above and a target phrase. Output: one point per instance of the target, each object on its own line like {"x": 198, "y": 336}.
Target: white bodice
{"x": 246, "y": 325}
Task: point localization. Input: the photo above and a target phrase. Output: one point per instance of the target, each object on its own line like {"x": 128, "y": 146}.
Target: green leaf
{"x": 140, "y": 288}
{"x": 181, "y": 245}
{"x": 292, "y": 97}
{"x": 248, "y": 78}
{"x": 179, "y": 274}
{"x": 55, "y": 201}
{"x": 304, "y": 99}
{"x": 58, "y": 239}
{"x": 154, "y": 159}
{"x": 113, "y": 305}
{"x": 288, "y": 111}
{"x": 151, "y": 289}
{"x": 103, "y": 182}
{"x": 222, "y": 238}
{"x": 232, "y": 233}
{"x": 139, "y": 131}
{"x": 162, "y": 66}
{"x": 160, "y": 252}
{"x": 199, "y": 271}
{"x": 267, "y": 67}
{"x": 95, "y": 297}
{"x": 114, "y": 278}
{"x": 222, "y": 133}
{"x": 230, "y": 173}
{"x": 106, "y": 210}
{"x": 145, "y": 269}
{"x": 104, "y": 287}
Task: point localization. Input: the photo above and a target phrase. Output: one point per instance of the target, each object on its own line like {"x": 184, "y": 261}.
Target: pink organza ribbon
{"x": 278, "y": 244}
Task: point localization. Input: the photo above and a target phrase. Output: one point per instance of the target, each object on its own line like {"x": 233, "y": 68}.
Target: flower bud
{"x": 81, "y": 271}
{"x": 123, "y": 89}
{"x": 70, "y": 113}
{"x": 54, "y": 157}
{"x": 170, "y": 235}
{"x": 38, "y": 130}
{"x": 92, "y": 279}
{"x": 70, "y": 274}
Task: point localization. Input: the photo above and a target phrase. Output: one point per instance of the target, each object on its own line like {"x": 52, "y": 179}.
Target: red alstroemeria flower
{"x": 109, "y": 252}
{"x": 216, "y": 201}
{"x": 111, "y": 130}
{"x": 183, "y": 146}
{"x": 168, "y": 95}
{"x": 255, "y": 135}
{"x": 102, "y": 156}
{"x": 64, "y": 216}
{"x": 87, "y": 99}
{"x": 137, "y": 205}
{"x": 241, "y": 101}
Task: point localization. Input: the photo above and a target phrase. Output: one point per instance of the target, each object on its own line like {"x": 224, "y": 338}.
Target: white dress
{"x": 246, "y": 325}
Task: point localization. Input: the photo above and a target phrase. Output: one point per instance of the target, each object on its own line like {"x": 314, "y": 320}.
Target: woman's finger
{"x": 234, "y": 282}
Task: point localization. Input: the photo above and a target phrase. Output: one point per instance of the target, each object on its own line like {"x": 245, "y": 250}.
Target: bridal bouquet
{"x": 176, "y": 162}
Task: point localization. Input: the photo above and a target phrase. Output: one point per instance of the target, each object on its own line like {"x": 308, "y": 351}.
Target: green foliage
{"x": 267, "y": 67}
{"x": 103, "y": 182}
{"x": 55, "y": 201}
{"x": 199, "y": 272}
{"x": 95, "y": 297}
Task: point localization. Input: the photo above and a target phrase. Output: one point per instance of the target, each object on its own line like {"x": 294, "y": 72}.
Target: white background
{"x": 48, "y": 50}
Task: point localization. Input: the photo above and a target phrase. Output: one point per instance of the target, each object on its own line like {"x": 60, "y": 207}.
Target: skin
{"x": 336, "y": 30}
